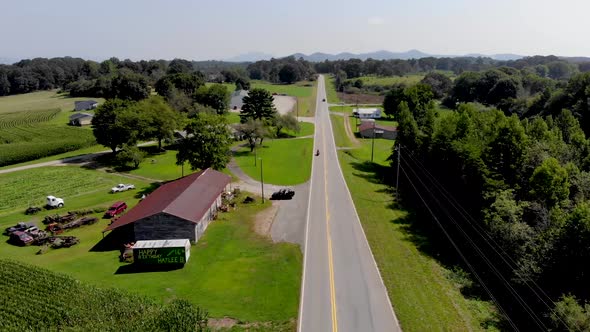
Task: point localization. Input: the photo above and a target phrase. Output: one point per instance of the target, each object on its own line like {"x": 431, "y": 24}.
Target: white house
{"x": 367, "y": 113}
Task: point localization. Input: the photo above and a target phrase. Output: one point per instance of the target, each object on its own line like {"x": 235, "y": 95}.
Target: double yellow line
{"x": 329, "y": 238}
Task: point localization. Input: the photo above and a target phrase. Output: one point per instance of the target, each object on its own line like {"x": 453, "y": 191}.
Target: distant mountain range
{"x": 378, "y": 55}
{"x": 387, "y": 55}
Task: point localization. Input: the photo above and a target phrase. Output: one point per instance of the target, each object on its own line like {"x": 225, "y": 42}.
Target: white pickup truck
{"x": 54, "y": 202}
{"x": 122, "y": 187}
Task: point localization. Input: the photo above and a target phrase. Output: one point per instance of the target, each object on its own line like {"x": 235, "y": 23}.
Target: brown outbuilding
{"x": 387, "y": 132}
{"x": 180, "y": 209}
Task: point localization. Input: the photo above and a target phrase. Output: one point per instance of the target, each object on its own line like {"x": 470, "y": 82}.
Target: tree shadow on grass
{"x": 148, "y": 190}
{"x": 141, "y": 268}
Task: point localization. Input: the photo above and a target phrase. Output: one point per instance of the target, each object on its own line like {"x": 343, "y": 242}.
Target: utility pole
{"x": 373, "y": 142}
{"x": 399, "y": 151}
{"x": 262, "y": 180}
{"x": 255, "y": 156}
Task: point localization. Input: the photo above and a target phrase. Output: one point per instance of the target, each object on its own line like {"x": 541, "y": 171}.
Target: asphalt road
{"x": 342, "y": 289}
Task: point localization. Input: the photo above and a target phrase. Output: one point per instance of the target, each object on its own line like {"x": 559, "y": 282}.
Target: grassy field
{"x": 285, "y": 161}
{"x": 233, "y": 117}
{"x": 232, "y": 271}
{"x": 340, "y": 136}
{"x": 40, "y": 100}
{"x": 34, "y": 126}
{"x": 305, "y": 92}
{"x": 423, "y": 295}
{"x": 331, "y": 90}
{"x": 407, "y": 80}
{"x": 79, "y": 187}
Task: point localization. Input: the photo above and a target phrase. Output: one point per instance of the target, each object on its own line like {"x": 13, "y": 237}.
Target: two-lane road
{"x": 341, "y": 287}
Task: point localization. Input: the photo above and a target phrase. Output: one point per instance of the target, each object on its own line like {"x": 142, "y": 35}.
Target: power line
{"x": 492, "y": 267}
{"x": 536, "y": 290}
{"x": 481, "y": 282}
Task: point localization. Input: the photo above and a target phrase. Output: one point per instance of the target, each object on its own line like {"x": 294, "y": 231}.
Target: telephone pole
{"x": 373, "y": 142}
{"x": 399, "y": 151}
{"x": 262, "y": 180}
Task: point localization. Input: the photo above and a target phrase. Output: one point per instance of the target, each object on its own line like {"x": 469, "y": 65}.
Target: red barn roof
{"x": 187, "y": 198}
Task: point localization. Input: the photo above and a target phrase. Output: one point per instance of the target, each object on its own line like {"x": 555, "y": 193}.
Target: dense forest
{"x": 500, "y": 183}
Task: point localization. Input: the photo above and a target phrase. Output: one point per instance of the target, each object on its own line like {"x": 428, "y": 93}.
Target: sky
{"x": 221, "y": 29}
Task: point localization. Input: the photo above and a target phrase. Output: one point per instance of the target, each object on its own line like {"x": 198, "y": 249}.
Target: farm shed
{"x": 366, "y": 113}
{"x": 387, "y": 132}
{"x": 84, "y": 105}
{"x": 180, "y": 209}
{"x": 81, "y": 119}
{"x": 176, "y": 251}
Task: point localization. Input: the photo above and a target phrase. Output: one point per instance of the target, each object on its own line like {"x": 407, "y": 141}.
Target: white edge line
{"x": 299, "y": 323}
{"x": 361, "y": 226}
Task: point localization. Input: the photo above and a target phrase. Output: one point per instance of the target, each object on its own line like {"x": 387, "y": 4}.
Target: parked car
{"x": 283, "y": 194}
{"x": 21, "y": 238}
{"x": 122, "y": 187}
{"x": 115, "y": 209}
{"x": 54, "y": 202}
{"x": 19, "y": 227}
{"x": 33, "y": 210}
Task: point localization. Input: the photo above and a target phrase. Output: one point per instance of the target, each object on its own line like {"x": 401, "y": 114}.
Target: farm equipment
{"x": 283, "y": 194}
{"x": 57, "y": 228}
{"x": 57, "y": 242}
{"x": 32, "y": 210}
{"x": 19, "y": 227}
{"x": 21, "y": 238}
{"x": 56, "y": 218}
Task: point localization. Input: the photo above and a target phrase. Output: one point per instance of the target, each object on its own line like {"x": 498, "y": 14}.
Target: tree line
{"x": 507, "y": 198}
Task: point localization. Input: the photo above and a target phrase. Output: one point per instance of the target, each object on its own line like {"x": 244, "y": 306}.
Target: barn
{"x": 180, "y": 209}
{"x": 366, "y": 130}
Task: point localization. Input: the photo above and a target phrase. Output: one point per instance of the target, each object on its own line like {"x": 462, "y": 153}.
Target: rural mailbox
{"x": 161, "y": 252}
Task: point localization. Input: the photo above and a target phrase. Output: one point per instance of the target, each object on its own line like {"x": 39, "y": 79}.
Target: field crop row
{"x": 34, "y": 299}
{"x": 26, "y": 118}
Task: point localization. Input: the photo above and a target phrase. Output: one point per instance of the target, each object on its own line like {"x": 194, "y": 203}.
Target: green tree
{"x": 207, "y": 144}
{"x": 216, "y": 96}
{"x": 408, "y": 133}
{"x": 129, "y": 86}
{"x": 130, "y": 153}
{"x": 286, "y": 121}
{"x": 440, "y": 84}
{"x": 252, "y": 130}
{"x": 288, "y": 74}
{"x": 160, "y": 119}
{"x": 569, "y": 315}
{"x": 258, "y": 105}
{"x": 550, "y": 182}
{"x": 110, "y": 126}
{"x": 242, "y": 84}
{"x": 392, "y": 100}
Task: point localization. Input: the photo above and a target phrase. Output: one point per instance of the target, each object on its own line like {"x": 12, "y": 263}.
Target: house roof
{"x": 366, "y": 110}
{"x": 80, "y": 116}
{"x": 187, "y": 198}
{"x": 86, "y": 102}
{"x": 369, "y": 126}
{"x": 174, "y": 243}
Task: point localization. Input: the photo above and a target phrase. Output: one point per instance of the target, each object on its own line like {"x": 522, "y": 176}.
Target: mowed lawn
{"x": 423, "y": 296}
{"x": 410, "y": 79}
{"x": 305, "y": 92}
{"x": 40, "y": 100}
{"x": 79, "y": 187}
{"x": 331, "y": 90}
{"x": 232, "y": 271}
{"x": 284, "y": 161}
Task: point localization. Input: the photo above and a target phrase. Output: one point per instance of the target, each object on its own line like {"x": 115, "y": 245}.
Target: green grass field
{"x": 232, "y": 270}
{"x": 41, "y": 100}
{"x": 340, "y": 137}
{"x": 407, "y": 80}
{"x": 331, "y": 90}
{"x": 79, "y": 187}
{"x": 34, "y": 126}
{"x": 305, "y": 92}
{"x": 424, "y": 297}
{"x": 285, "y": 161}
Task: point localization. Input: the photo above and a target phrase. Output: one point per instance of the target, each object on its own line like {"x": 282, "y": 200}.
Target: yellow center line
{"x": 330, "y": 258}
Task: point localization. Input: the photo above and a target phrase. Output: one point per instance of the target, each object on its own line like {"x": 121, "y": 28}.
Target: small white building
{"x": 367, "y": 113}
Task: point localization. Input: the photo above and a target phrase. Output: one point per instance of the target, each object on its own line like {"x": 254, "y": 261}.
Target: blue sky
{"x": 153, "y": 29}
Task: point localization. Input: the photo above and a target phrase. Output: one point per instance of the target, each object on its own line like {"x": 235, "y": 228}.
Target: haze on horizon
{"x": 202, "y": 30}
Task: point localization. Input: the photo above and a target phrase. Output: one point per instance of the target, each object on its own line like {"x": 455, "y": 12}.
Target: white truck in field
{"x": 122, "y": 187}
{"x": 54, "y": 202}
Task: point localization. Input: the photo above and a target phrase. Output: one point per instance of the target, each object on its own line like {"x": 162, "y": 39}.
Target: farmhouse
{"x": 236, "y": 101}
{"x": 366, "y": 113}
{"x": 181, "y": 209}
{"x": 84, "y": 105}
{"x": 81, "y": 119}
{"x": 387, "y": 132}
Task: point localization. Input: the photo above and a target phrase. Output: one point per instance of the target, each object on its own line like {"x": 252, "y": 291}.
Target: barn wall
{"x": 163, "y": 226}
{"x": 208, "y": 216}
